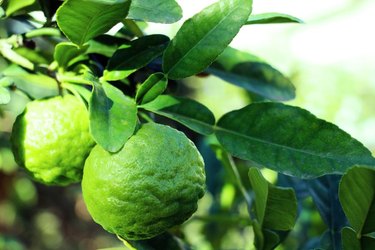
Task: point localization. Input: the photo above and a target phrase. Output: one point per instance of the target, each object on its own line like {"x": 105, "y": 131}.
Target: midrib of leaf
{"x": 281, "y": 146}
{"x": 83, "y": 38}
{"x": 184, "y": 117}
{"x": 203, "y": 38}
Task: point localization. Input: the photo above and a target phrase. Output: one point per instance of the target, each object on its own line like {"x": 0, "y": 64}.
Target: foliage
{"x": 127, "y": 78}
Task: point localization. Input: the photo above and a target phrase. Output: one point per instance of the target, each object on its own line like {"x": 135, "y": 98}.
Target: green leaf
{"x": 15, "y": 5}
{"x": 154, "y": 86}
{"x": 357, "y": 197}
{"x": 4, "y": 95}
{"x": 157, "y": 11}
{"x": 113, "y": 116}
{"x": 36, "y": 85}
{"x": 203, "y": 37}
{"x": 269, "y": 18}
{"x": 188, "y": 112}
{"x": 368, "y": 242}
{"x": 81, "y": 20}
{"x": 289, "y": 140}
{"x": 275, "y": 207}
{"x": 66, "y": 51}
{"x": 251, "y": 73}
{"x": 349, "y": 239}
{"x": 162, "y": 241}
{"x": 135, "y": 55}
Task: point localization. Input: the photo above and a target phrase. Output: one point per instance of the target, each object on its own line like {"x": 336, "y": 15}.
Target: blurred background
{"x": 330, "y": 59}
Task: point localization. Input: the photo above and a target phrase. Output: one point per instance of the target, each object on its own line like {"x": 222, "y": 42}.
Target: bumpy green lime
{"x": 51, "y": 139}
{"x": 150, "y": 185}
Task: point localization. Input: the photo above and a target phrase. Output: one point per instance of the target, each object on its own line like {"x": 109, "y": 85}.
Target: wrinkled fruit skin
{"x": 153, "y": 183}
{"x": 51, "y": 139}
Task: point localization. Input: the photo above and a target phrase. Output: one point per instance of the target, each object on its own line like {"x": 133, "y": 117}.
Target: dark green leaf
{"x": 135, "y": 55}
{"x": 289, "y": 140}
{"x": 271, "y": 239}
{"x": 82, "y": 20}
{"x": 368, "y": 242}
{"x": 275, "y": 207}
{"x": 66, "y": 51}
{"x": 357, "y": 197}
{"x": 350, "y": 240}
{"x": 158, "y": 11}
{"x": 154, "y": 86}
{"x": 188, "y": 112}
{"x": 162, "y": 241}
{"x": 4, "y": 95}
{"x": 251, "y": 73}
{"x": 267, "y": 18}
{"x": 113, "y": 116}
{"x": 203, "y": 37}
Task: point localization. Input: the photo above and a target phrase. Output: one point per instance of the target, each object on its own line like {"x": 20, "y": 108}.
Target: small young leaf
{"x": 269, "y": 18}
{"x": 251, "y": 73}
{"x": 113, "y": 116}
{"x": 357, "y": 197}
{"x": 265, "y": 133}
{"x": 275, "y": 207}
{"x": 82, "y": 20}
{"x": 203, "y": 37}
{"x": 154, "y": 86}
{"x": 157, "y": 11}
{"x": 4, "y": 95}
{"x": 135, "y": 55}
{"x": 66, "y": 51}
{"x": 188, "y": 112}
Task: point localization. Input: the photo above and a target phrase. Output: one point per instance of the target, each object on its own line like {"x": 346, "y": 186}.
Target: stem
{"x": 43, "y": 32}
{"x": 132, "y": 27}
{"x": 240, "y": 185}
{"x": 73, "y": 79}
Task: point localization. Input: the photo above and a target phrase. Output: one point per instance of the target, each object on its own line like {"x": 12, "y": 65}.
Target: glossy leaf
{"x": 188, "y": 112}
{"x": 203, "y": 37}
{"x": 270, "y": 18}
{"x": 81, "y": 20}
{"x": 251, "y": 73}
{"x": 113, "y": 116}
{"x": 357, "y": 197}
{"x": 15, "y": 5}
{"x": 66, "y": 51}
{"x": 135, "y": 55}
{"x": 350, "y": 240}
{"x": 275, "y": 207}
{"x": 157, "y": 11}
{"x": 154, "y": 86}
{"x": 4, "y": 95}
{"x": 289, "y": 140}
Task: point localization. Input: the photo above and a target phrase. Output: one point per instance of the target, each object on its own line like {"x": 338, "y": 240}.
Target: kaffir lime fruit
{"x": 153, "y": 183}
{"x": 51, "y": 139}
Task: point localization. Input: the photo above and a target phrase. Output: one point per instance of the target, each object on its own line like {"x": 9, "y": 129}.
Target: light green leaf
{"x": 289, "y": 140}
{"x": 275, "y": 207}
{"x": 113, "y": 116}
{"x": 357, "y": 197}
{"x": 4, "y": 95}
{"x": 269, "y": 18}
{"x": 203, "y": 37}
{"x": 36, "y": 85}
{"x": 134, "y": 56}
{"x": 66, "y": 51}
{"x": 154, "y": 86}
{"x": 349, "y": 239}
{"x": 188, "y": 112}
{"x": 81, "y": 20}
{"x": 157, "y": 11}
{"x": 15, "y": 5}
{"x": 251, "y": 73}
{"x": 7, "y": 52}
